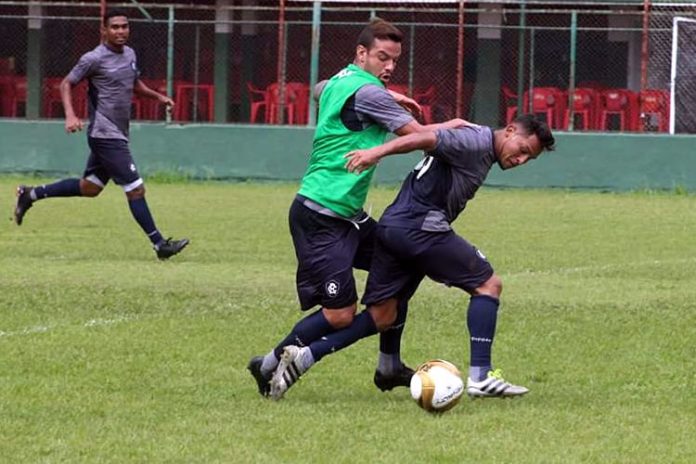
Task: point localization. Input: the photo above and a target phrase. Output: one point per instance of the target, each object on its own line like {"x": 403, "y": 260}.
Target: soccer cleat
{"x": 24, "y": 202}
{"x": 170, "y": 247}
{"x": 402, "y": 378}
{"x": 262, "y": 381}
{"x": 493, "y": 386}
{"x": 288, "y": 371}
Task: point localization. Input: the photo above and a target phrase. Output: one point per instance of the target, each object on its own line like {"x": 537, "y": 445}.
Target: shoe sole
{"x": 479, "y": 394}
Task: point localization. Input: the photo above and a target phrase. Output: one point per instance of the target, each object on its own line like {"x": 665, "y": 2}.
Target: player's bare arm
{"x": 142, "y": 89}
{"x": 407, "y": 103}
{"x": 72, "y": 122}
{"x": 359, "y": 160}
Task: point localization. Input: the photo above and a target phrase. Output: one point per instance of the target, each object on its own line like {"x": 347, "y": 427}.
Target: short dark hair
{"x": 379, "y": 29}
{"x": 533, "y": 125}
{"x": 112, "y": 13}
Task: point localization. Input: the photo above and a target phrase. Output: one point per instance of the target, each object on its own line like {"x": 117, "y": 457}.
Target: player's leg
{"x": 455, "y": 262}
{"x": 118, "y": 162}
{"x": 391, "y": 371}
{"x": 324, "y": 247}
{"x": 90, "y": 185}
{"x": 388, "y": 281}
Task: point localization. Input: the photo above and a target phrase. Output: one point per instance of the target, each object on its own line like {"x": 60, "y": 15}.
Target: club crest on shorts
{"x": 332, "y": 288}
{"x": 132, "y": 167}
{"x": 481, "y": 255}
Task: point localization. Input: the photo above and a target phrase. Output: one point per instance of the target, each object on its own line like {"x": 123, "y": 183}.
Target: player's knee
{"x": 88, "y": 189}
{"x": 136, "y": 193}
{"x": 492, "y": 287}
{"x": 383, "y": 314}
{"x": 340, "y": 318}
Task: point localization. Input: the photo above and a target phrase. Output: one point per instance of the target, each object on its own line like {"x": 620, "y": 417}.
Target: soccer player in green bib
{"x": 331, "y": 232}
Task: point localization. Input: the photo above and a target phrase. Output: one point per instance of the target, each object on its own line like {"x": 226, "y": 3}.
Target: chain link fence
{"x": 591, "y": 65}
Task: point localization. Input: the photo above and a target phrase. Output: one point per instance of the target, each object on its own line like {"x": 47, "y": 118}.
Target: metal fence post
{"x": 314, "y": 63}
{"x": 571, "y": 77}
{"x": 170, "y": 59}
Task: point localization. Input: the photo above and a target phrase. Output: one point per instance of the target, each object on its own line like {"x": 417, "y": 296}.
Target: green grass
{"x": 107, "y": 355}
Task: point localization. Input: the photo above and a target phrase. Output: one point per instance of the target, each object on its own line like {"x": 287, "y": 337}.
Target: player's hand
{"x": 410, "y": 105}
{"x": 168, "y": 102}
{"x": 73, "y": 124}
{"x": 359, "y": 160}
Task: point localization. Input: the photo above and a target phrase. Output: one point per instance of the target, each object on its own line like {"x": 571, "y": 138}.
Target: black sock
{"x": 481, "y": 320}
{"x": 305, "y": 332}
{"x": 390, "y": 339}
{"x": 362, "y": 326}
{"x": 142, "y": 215}
{"x": 61, "y": 188}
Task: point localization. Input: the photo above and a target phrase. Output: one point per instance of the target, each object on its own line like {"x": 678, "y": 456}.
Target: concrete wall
{"x": 592, "y": 160}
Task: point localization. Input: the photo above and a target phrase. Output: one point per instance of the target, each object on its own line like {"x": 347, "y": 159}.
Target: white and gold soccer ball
{"x": 437, "y": 385}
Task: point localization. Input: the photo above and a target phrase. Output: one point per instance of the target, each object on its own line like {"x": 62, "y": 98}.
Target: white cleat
{"x": 493, "y": 386}
{"x": 288, "y": 371}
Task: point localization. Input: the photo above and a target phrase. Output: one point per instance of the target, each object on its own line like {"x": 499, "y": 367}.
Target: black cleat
{"x": 171, "y": 247}
{"x": 262, "y": 382}
{"x": 24, "y": 202}
{"x": 401, "y": 379}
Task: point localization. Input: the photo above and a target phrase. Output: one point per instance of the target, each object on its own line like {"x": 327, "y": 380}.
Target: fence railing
{"x": 582, "y": 65}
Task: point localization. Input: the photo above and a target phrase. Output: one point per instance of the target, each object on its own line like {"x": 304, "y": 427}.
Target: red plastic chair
{"x": 654, "y": 105}
{"x": 53, "y": 100}
{"x": 619, "y": 102}
{"x": 399, "y": 88}
{"x": 299, "y": 92}
{"x": 149, "y": 108}
{"x": 585, "y": 103}
{"x": 185, "y": 93}
{"x": 258, "y": 99}
{"x": 510, "y": 101}
{"x": 426, "y": 100}
{"x": 6, "y": 93}
{"x": 548, "y": 101}
{"x": 295, "y": 103}
{"x": 19, "y": 95}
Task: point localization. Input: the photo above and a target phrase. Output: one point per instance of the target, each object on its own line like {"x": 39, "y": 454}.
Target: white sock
{"x": 305, "y": 359}
{"x": 269, "y": 364}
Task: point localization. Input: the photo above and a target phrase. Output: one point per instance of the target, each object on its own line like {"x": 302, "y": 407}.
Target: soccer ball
{"x": 437, "y": 385}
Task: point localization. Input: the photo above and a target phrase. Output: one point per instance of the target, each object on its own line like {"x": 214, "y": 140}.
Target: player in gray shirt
{"x": 111, "y": 70}
{"x": 415, "y": 239}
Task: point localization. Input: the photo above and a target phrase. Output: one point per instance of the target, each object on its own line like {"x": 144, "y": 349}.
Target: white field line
{"x": 38, "y": 329}
{"x": 90, "y": 323}
{"x": 604, "y": 267}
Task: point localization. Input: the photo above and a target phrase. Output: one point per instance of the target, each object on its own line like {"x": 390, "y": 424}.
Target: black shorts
{"x": 327, "y": 250}
{"x": 111, "y": 159}
{"x": 403, "y": 257}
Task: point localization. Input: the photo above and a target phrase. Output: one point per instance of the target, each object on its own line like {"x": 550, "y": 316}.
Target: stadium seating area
{"x": 594, "y": 108}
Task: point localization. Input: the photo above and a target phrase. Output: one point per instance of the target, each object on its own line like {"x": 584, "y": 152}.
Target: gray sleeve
{"x": 84, "y": 68}
{"x": 375, "y": 104}
{"x": 454, "y": 146}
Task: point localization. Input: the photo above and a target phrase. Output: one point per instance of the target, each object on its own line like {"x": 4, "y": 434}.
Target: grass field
{"x": 107, "y": 355}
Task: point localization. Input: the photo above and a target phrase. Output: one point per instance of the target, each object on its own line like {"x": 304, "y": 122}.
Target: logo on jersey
{"x": 332, "y": 288}
{"x": 132, "y": 167}
{"x": 481, "y": 255}
{"x": 423, "y": 166}
{"x": 344, "y": 73}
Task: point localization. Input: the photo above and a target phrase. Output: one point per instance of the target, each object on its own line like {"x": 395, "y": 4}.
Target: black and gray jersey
{"x": 441, "y": 184}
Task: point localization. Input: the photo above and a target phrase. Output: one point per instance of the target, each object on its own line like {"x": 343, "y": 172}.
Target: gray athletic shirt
{"x": 371, "y": 104}
{"x": 111, "y": 76}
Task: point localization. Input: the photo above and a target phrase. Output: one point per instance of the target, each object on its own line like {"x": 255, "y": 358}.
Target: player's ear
{"x": 360, "y": 53}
